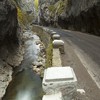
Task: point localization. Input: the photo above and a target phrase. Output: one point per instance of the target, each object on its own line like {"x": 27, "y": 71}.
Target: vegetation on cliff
{"x": 25, "y": 12}
{"x": 36, "y": 3}
{"x": 80, "y": 15}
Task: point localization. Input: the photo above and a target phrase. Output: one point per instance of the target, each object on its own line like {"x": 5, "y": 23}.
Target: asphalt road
{"x": 87, "y": 48}
{"x": 88, "y": 43}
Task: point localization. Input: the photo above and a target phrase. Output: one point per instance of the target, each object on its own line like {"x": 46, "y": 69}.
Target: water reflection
{"x": 25, "y": 86}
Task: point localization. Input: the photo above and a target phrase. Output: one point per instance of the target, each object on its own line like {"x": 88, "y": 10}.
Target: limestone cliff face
{"x": 8, "y": 23}
{"x": 82, "y": 15}
{"x": 27, "y": 5}
{"x": 9, "y": 43}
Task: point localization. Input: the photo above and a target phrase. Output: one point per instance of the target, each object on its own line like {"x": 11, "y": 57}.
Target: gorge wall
{"x": 8, "y": 23}
{"x": 82, "y": 15}
{"x": 79, "y": 15}
{"x": 9, "y": 43}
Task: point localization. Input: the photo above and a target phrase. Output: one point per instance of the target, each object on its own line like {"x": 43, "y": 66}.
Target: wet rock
{"x": 37, "y": 70}
{"x": 42, "y": 49}
{"x": 34, "y": 67}
{"x": 40, "y": 64}
{"x": 38, "y": 42}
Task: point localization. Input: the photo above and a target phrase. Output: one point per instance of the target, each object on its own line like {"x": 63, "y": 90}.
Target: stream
{"x": 26, "y": 84}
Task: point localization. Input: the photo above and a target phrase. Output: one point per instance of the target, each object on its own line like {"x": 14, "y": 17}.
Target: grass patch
{"x": 49, "y": 55}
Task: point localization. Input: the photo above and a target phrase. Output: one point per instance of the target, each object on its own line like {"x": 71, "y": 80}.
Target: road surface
{"x": 82, "y": 52}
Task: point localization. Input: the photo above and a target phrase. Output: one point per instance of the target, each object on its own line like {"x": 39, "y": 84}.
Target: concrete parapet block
{"x": 57, "y": 96}
{"x": 56, "y": 37}
{"x": 52, "y": 33}
{"x": 59, "y": 44}
{"x": 56, "y": 60}
{"x": 60, "y": 79}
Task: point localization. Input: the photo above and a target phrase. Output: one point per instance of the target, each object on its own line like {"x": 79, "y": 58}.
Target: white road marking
{"x": 92, "y": 68}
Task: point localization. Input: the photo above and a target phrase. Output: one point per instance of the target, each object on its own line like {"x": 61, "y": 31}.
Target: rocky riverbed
{"x": 16, "y": 49}
{"x": 32, "y": 51}
{"x": 6, "y": 68}
{"x": 35, "y": 49}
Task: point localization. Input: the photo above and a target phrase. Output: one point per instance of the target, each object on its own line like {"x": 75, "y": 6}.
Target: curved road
{"x": 87, "y": 50}
{"x": 88, "y": 43}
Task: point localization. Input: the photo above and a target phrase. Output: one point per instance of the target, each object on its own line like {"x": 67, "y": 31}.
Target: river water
{"x": 26, "y": 84}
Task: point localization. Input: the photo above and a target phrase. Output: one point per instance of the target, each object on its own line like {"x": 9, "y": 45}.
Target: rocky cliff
{"x": 28, "y": 7}
{"x": 8, "y": 23}
{"x": 81, "y": 15}
{"x": 9, "y": 43}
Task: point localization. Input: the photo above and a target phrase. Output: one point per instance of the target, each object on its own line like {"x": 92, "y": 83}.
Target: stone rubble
{"x": 14, "y": 60}
{"x": 39, "y": 51}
